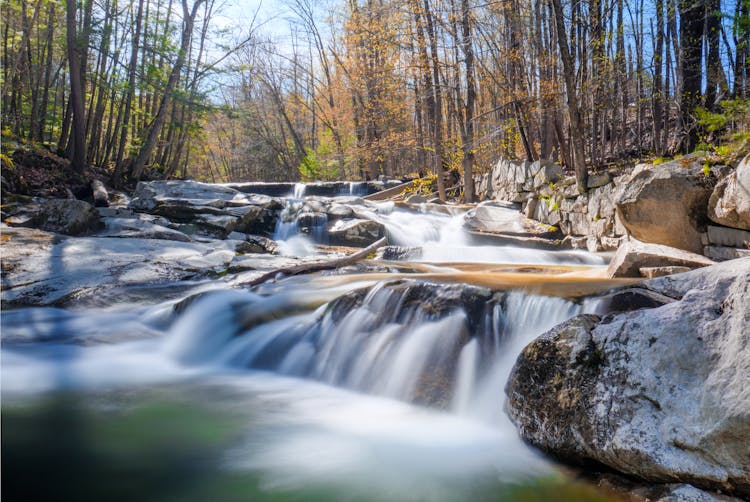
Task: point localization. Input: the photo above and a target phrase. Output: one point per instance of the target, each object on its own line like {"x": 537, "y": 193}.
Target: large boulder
{"x": 67, "y": 216}
{"x": 355, "y": 233}
{"x": 660, "y": 394}
{"x": 666, "y": 204}
{"x": 633, "y": 255}
{"x": 729, "y": 204}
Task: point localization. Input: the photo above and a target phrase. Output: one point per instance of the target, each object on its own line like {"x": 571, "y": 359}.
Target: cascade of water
{"x": 386, "y": 341}
{"x": 287, "y": 231}
{"x": 510, "y": 329}
{"x": 444, "y": 239}
{"x": 357, "y": 188}
{"x": 299, "y": 191}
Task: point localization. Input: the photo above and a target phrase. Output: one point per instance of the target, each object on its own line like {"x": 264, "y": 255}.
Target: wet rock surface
{"x": 659, "y": 394}
{"x": 41, "y": 268}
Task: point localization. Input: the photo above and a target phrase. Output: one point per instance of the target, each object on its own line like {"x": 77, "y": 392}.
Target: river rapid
{"x": 307, "y": 389}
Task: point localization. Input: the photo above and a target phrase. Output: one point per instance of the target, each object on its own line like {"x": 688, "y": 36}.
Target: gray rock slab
{"x": 725, "y": 236}
{"x": 41, "y": 268}
{"x": 724, "y": 253}
{"x": 633, "y": 255}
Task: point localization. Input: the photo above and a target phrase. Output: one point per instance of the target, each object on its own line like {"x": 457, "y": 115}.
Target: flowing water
{"x": 347, "y": 391}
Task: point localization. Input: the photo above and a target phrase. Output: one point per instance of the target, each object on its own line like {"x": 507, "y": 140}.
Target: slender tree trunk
{"x": 78, "y": 154}
{"x": 129, "y": 96}
{"x": 574, "y": 113}
{"x": 691, "y": 39}
{"x": 438, "y": 100}
{"x": 155, "y": 128}
{"x": 716, "y": 87}
{"x": 471, "y": 98}
{"x": 657, "y": 98}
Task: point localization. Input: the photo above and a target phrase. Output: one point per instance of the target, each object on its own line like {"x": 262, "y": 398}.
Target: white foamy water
{"x": 444, "y": 239}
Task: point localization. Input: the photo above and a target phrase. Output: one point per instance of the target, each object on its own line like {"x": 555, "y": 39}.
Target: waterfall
{"x": 443, "y": 239}
{"x": 436, "y": 345}
{"x": 299, "y": 191}
{"x": 357, "y": 189}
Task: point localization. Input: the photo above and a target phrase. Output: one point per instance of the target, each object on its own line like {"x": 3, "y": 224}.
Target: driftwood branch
{"x": 306, "y": 268}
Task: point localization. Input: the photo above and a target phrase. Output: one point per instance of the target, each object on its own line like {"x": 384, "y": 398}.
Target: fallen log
{"x": 306, "y": 268}
{"x": 389, "y": 192}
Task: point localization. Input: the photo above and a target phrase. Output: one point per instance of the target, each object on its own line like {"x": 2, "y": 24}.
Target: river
{"x": 343, "y": 387}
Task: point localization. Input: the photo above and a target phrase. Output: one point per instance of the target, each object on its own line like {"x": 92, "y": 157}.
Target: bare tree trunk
{"x": 128, "y": 97}
{"x": 574, "y": 113}
{"x": 155, "y": 128}
{"x": 471, "y": 98}
{"x": 438, "y": 100}
{"x": 78, "y": 154}
{"x": 691, "y": 40}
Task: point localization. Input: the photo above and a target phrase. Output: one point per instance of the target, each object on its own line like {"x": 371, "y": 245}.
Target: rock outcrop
{"x": 660, "y": 394}
{"x": 514, "y": 180}
{"x": 729, "y": 204}
{"x": 666, "y": 204}
{"x": 207, "y": 209}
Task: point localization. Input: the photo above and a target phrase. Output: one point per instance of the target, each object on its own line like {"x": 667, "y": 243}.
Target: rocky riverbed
{"x": 649, "y": 381}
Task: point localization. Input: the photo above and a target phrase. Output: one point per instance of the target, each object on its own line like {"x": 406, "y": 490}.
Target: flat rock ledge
{"x": 659, "y": 394}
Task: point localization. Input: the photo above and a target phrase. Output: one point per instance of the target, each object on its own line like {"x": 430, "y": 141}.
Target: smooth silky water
{"x": 235, "y": 395}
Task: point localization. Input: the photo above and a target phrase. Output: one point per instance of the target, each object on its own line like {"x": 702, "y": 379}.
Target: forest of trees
{"x": 354, "y": 89}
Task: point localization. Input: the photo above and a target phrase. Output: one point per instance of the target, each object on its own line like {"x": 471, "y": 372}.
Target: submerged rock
{"x": 660, "y": 394}
{"x": 257, "y": 244}
{"x": 399, "y": 253}
{"x": 387, "y": 321}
